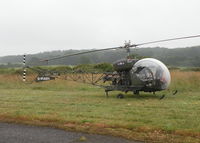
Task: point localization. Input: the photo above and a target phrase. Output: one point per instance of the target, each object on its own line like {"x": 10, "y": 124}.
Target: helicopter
{"x": 130, "y": 75}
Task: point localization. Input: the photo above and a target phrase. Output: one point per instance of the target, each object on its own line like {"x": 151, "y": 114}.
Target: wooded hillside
{"x": 187, "y": 57}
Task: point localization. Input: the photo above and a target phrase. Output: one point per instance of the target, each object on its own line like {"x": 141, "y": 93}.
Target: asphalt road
{"x": 15, "y": 133}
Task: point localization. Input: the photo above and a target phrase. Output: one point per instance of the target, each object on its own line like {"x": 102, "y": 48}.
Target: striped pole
{"x": 24, "y": 71}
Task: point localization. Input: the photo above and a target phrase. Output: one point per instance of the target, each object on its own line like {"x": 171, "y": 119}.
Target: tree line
{"x": 185, "y": 57}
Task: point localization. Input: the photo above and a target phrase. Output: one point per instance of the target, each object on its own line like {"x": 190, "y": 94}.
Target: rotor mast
{"x": 127, "y": 46}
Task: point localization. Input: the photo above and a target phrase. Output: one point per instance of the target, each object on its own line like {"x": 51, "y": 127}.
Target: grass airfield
{"x": 81, "y": 107}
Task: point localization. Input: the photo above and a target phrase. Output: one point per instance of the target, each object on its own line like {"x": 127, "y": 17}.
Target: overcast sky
{"x": 32, "y": 26}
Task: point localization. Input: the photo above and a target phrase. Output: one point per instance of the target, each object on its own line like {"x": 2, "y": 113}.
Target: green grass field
{"x": 80, "y": 107}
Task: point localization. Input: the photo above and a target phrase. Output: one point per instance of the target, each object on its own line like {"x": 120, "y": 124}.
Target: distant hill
{"x": 188, "y": 57}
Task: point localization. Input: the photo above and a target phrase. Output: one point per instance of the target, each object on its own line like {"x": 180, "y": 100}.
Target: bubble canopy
{"x": 154, "y": 70}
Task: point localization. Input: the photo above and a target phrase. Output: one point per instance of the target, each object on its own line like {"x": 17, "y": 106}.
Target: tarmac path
{"x": 17, "y": 133}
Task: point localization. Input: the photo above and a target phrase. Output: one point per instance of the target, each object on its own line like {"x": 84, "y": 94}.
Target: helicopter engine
{"x": 123, "y": 67}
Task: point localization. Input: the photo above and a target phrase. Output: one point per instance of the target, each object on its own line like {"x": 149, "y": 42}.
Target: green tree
{"x": 84, "y": 60}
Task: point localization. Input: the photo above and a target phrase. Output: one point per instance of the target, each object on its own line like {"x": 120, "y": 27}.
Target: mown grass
{"x": 81, "y": 107}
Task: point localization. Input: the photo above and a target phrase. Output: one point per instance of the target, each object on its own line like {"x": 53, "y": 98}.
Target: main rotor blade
{"x": 135, "y": 45}
{"x": 80, "y": 53}
{"x": 165, "y": 40}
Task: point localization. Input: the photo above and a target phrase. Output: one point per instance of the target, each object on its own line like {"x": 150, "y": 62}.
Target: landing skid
{"x": 173, "y": 93}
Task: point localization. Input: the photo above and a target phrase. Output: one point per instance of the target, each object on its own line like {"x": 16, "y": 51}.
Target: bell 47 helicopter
{"x": 148, "y": 74}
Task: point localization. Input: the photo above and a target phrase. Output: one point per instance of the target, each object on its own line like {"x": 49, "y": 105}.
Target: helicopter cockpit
{"x": 153, "y": 73}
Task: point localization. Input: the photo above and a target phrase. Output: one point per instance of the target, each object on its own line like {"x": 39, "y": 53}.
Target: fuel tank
{"x": 124, "y": 64}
